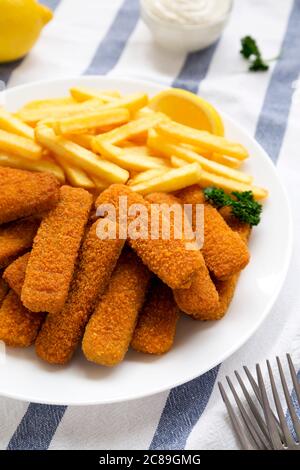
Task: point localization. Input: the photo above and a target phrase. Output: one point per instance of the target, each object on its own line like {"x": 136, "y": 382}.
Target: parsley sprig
{"x": 243, "y": 204}
{"x": 252, "y": 53}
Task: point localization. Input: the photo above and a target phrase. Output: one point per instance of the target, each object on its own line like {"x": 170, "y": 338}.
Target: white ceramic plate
{"x": 198, "y": 346}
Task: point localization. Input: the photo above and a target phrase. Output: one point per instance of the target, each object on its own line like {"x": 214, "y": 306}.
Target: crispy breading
{"x": 224, "y": 251}
{"x": 3, "y": 288}
{"x": 14, "y": 274}
{"x": 18, "y": 326}
{"x": 60, "y": 334}
{"x": 52, "y": 259}
{"x": 109, "y": 332}
{"x": 24, "y": 193}
{"x": 16, "y": 238}
{"x": 169, "y": 259}
{"x": 202, "y": 295}
{"x": 156, "y": 326}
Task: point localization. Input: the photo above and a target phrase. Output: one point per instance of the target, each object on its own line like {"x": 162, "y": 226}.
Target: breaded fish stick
{"x": 14, "y": 274}
{"x": 156, "y": 327}
{"x": 18, "y": 326}
{"x": 168, "y": 259}
{"x": 52, "y": 259}
{"x": 15, "y": 239}
{"x": 202, "y": 295}
{"x": 25, "y": 193}
{"x": 224, "y": 252}
{"x": 60, "y": 334}
{"x": 109, "y": 332}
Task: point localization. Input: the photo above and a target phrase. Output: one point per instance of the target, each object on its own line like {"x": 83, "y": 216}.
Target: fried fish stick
{"x": 14, "y": 274}
{"x": 156, "y": 327}
{"x": 224, "y": 251}
{"x": 109, "y": 332}
{"x": 169, "y": 259}
{"x": 24, "y": 193}
{"x": 15, "y": 239}
{"x": 18, "y": 326}
{"x": 52, "y": 259}
{"x": 60, "y": 334}
{"x": 3, "y": 289}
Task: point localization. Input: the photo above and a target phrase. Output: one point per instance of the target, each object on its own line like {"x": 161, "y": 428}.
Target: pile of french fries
{"x": 92, "y": 139}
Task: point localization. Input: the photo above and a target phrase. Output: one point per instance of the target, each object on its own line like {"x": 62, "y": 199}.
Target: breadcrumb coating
{"x": 18, "y": 326}
{"x": 3, "y": 289}
{"x": 14, "y": 274}
{"x": 61, "y": 333}
{"x": 15, "y": 239}
{"x": 52, "y": 259}
{"x": 224, "y": 251}
{"x": 109, "y": 332}
{"x": 156, "y": 327}
{"x": 202, "y": 295}
{"x": 167, "y": 258}
{"x": 25, "y": 193}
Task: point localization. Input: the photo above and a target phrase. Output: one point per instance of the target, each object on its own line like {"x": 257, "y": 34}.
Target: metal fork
{"x": 259, "y": 427}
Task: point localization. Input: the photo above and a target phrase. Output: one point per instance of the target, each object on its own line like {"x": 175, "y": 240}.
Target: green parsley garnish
{"x": 243, "y": 205}
{"x": 251, "y": 52}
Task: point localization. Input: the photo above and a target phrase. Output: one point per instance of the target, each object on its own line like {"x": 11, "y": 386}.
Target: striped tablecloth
{"x": 108, "y": 37}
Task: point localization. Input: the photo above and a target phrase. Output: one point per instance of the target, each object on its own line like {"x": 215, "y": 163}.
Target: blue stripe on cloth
{"x": 114, "y": 42}
{"x": 194, "y": 69}
{"x": 7, "y": 69}
{"x": 37, "y": 427}
{"x": 273, "y": 120}
{"x": 184, "y": 406}
{"x": 297, "y": 409}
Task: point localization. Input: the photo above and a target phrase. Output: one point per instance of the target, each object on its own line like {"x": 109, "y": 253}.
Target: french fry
{"x": 81, "y": 157}
{"x": 132, "y": 102}
{"x": 168, "y": 148}
{"x": 82, "y": 94}
{"x": 10, "y": 123}
{"x": 184, "y": 134}
{"x": 32, "y": 116}
{"x": 51, "y": 102}
{"x": 147, "y": 175}
{"x": 99, "y": 183}
{"x": 85, "y": 140}
{"x": 76, "y": 176}
{"x": 20, "y": 146}
{"x": 129, "y": 130}
{"x": 216, "y": 157}
{"x": 90, "y": 120}
{"x": 209, "y": 179}
{"x": 173, "y": 180}
{"x": 12, "y": 161}
{"x": 125, "y": 159}
{"x": 177, "y": 162}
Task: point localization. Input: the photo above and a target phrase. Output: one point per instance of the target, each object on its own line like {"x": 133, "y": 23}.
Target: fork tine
{"x": 294, "y": 377}
{"x": 295, "y": 419}
{"x": 286, "y": 432}
{"x": 251, "y": 425}
{"x": 253, "y": 408}
{"x": 271, "y": 423}
{"x": 235, "y": 422}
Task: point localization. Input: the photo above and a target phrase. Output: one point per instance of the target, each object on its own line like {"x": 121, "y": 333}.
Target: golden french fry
{"x": 168, "y": 148}
{"x": 32, "y": 116}
{"x": 76, "y": 176}
{"x": 129, "y": 130}
{"x": 210, "y": 179}
{"x": 10, "y": 123}
{"x": 90, "y": 120}
{"x": 132, "y": 102}
{"x": 147, "y": 175}
{"x": 20, "y": 146}
{"x": 81, "y": 157}
{"x": 128, "y": 160}
{"x": 85, "y": 140}
{"x": 82, "y": 94}
{"x": 50, "y": 102}
{"x": 99, "y": 183}
{"x": 184, "y": 134}
{"x": 12, "y": 161}
{"x": 178, "y": 162}
{"x": 216, "y": 157}
{"x": 173, "y": 180}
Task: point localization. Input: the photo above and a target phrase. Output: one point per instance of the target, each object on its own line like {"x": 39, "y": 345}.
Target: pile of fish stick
{"x": 64, "y": 288}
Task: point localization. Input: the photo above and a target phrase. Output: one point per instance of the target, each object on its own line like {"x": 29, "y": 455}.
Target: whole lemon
{"x": 21, "y": 22}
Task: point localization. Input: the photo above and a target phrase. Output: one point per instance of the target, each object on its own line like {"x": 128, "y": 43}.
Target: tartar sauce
{"x": 189, "y": 12}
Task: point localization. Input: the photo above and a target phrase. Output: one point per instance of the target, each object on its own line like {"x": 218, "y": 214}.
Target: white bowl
{"x": 183, "y": 38}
